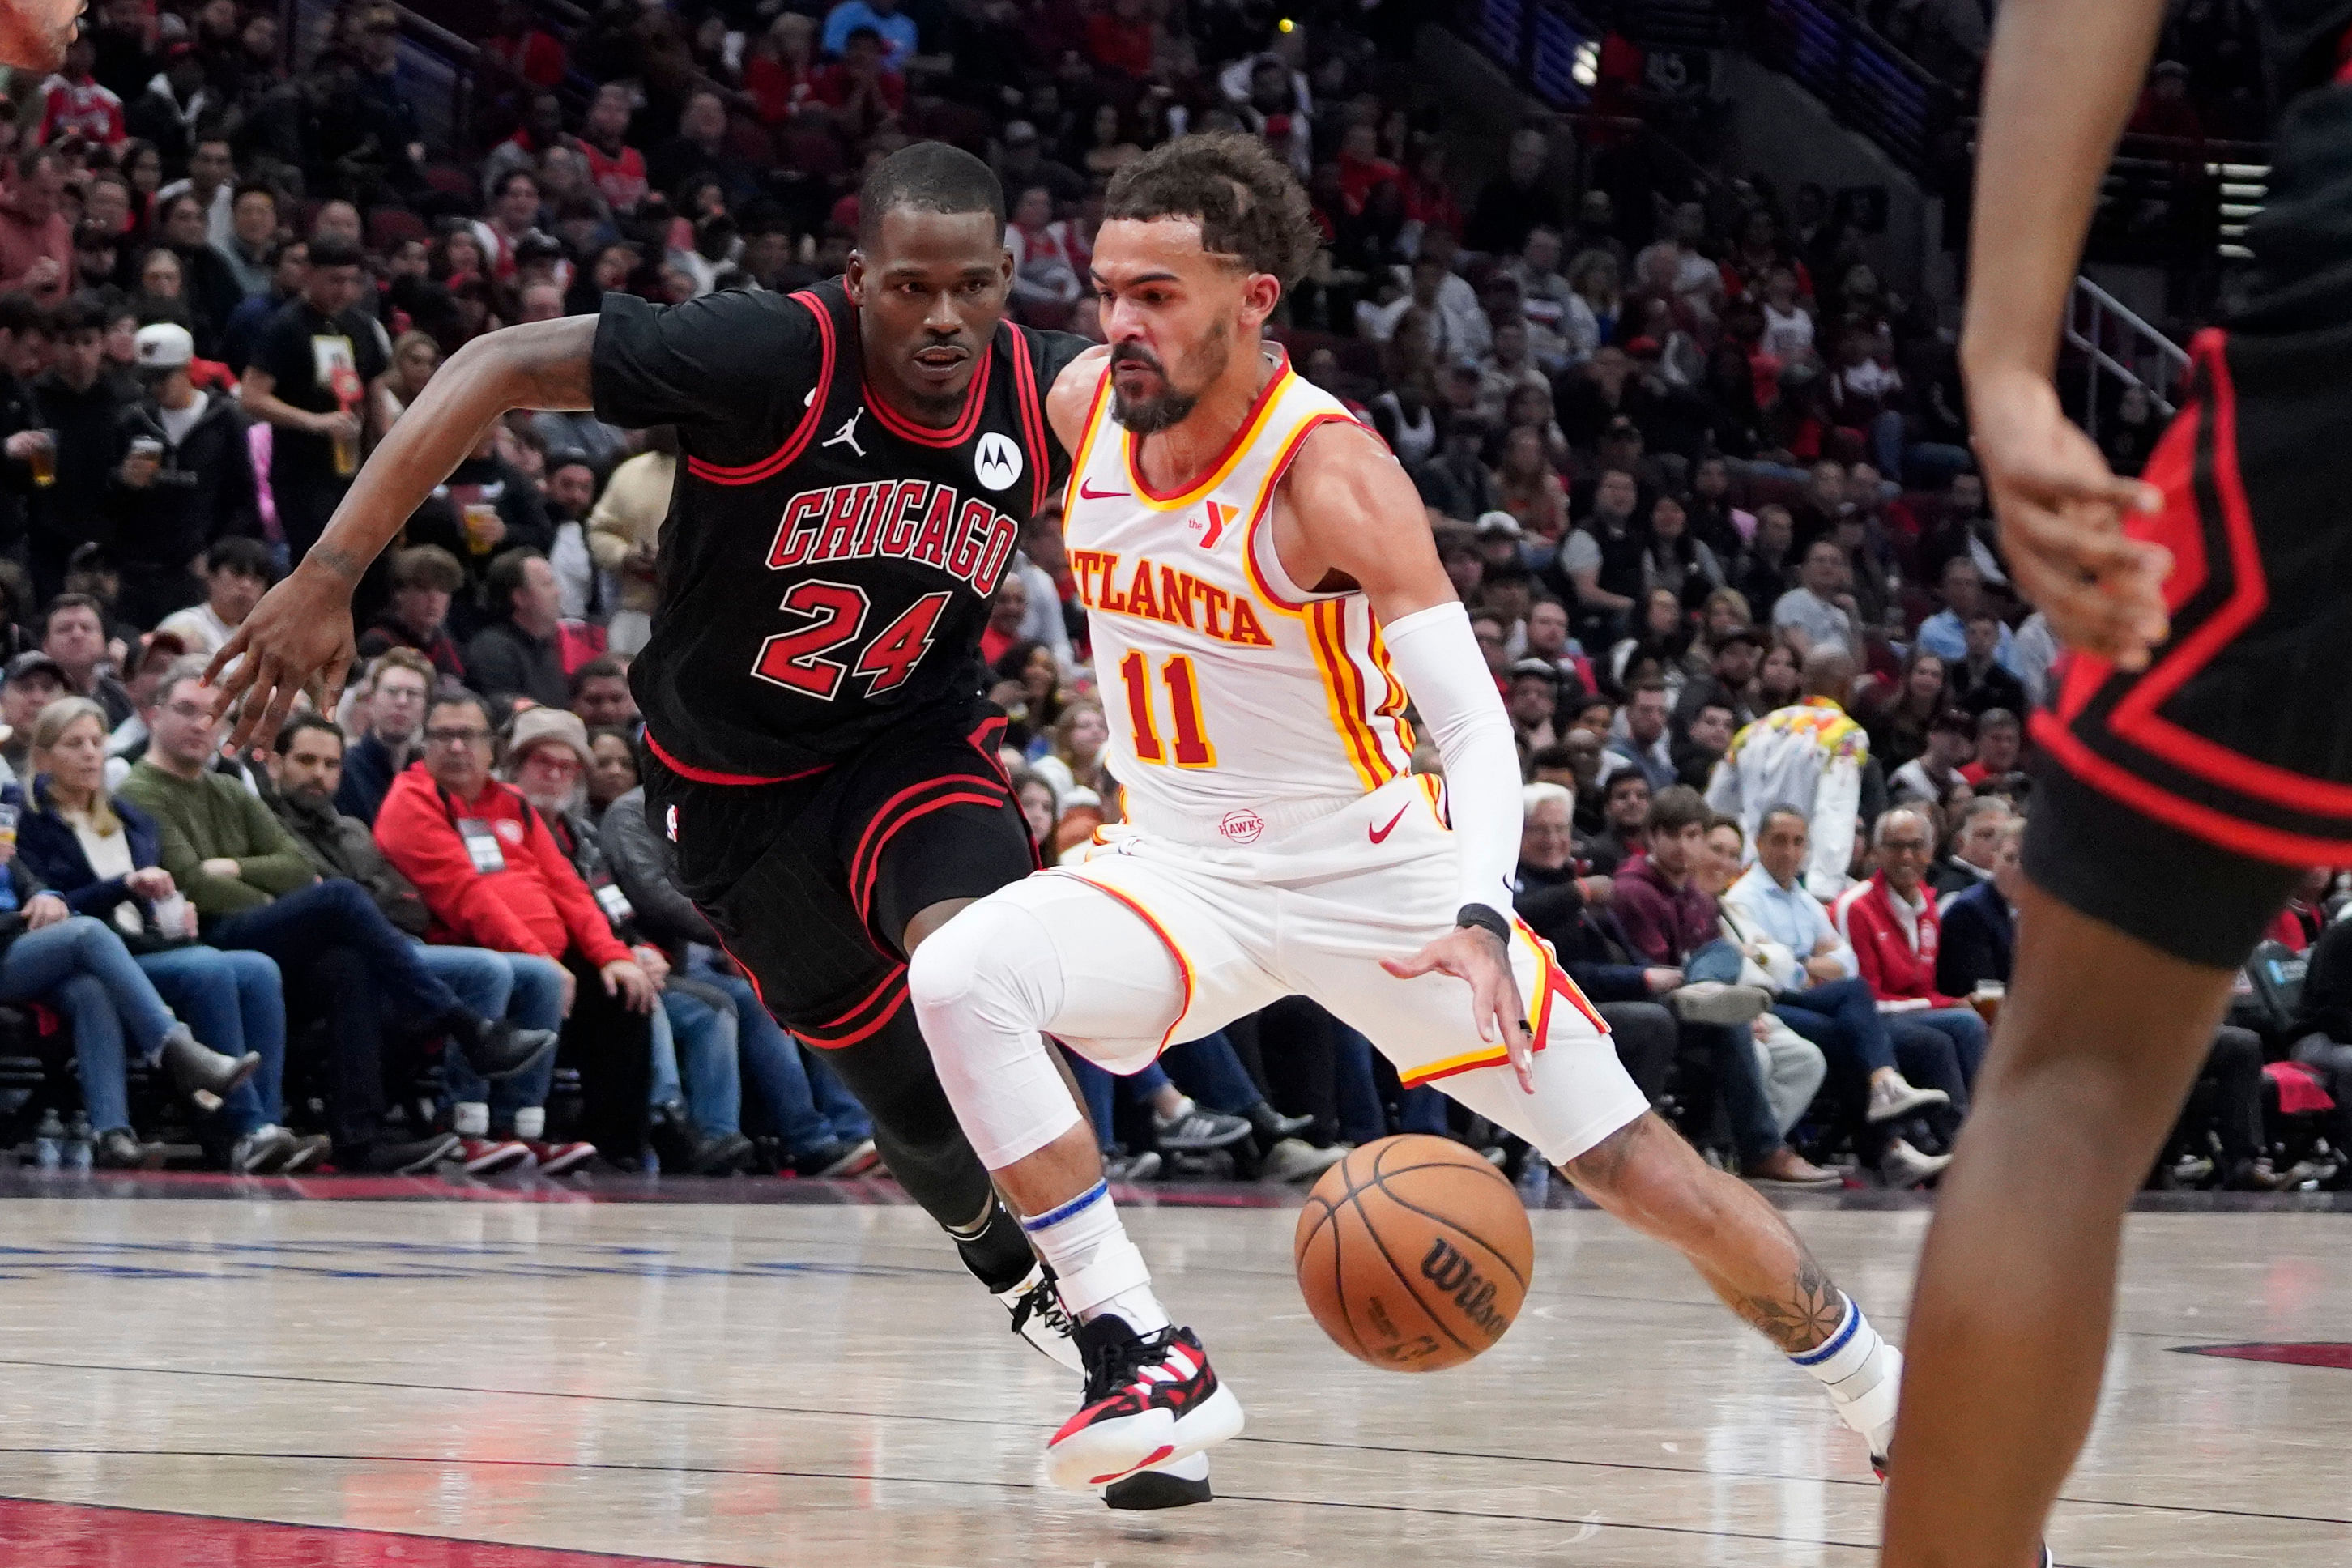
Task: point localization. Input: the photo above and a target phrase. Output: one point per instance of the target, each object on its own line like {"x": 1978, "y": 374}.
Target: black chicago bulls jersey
{"x": 825, "y": 567}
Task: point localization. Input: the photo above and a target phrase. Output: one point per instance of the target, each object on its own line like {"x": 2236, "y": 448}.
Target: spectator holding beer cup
{"x": 485, "y": 509}
{"x": 76, "y": 403}
{"x": 183, "y": 480}
{"x": 310, "y": 366}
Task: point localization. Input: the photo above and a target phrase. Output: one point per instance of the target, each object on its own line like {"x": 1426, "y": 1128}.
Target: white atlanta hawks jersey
{"x": 1234, "y": 696}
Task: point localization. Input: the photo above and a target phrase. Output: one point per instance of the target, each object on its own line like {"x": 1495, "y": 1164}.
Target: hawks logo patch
{"x": 996, "y": 462}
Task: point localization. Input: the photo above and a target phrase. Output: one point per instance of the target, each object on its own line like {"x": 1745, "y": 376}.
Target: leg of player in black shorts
{"x": 2198, "y": 751}
{"x": 820, "y": 890}
{"x": 809, "y": 888}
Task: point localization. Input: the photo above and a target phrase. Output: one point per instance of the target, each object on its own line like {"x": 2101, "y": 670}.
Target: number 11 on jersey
{"x": 1193, "y": 748}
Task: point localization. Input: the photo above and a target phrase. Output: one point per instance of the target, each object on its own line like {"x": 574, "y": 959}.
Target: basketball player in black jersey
{"x": 2198, "y": 752}
{"x": 858, "y": 458}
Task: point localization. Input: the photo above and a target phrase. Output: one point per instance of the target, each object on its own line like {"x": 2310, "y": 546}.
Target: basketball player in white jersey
{"x": 1263, "y": 594}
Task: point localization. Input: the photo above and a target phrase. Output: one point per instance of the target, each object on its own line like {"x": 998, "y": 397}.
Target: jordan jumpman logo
{"x": 849, "y": 432}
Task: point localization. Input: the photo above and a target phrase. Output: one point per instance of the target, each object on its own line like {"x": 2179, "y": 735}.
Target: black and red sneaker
{"x": 1150, "y": 1399}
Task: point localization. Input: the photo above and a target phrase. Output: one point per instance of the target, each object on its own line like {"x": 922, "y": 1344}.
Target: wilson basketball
{"x": 1413, "y": 1254}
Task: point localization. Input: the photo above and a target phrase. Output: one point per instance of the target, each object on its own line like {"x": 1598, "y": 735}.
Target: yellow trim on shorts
{"x": 1143, "y": 913}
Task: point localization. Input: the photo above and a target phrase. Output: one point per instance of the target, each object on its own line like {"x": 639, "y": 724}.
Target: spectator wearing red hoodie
{"x": 525, "y": 49}
{"x": 1361, "y": 167}
{"x": 1119, "y": 38}
{"x": 74, "y": 104}
{"x": 618, "y": 169}
{"x": 493, "y": 876}
{"x": 1890, "y": 921}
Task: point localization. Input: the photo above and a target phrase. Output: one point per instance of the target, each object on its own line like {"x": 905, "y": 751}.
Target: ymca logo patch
{"x": 1212, "y": 527}
{"x": 1241, "y": 826}
{"x": 996, "y": 462}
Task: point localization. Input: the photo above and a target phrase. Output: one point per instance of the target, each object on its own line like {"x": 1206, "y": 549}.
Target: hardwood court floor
{"x": 823, "y": 1387}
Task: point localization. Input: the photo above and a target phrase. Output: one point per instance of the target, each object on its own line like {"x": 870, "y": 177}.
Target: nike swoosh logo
{"x": 1087, "y": 494}
{"x": 1380, "y": 835}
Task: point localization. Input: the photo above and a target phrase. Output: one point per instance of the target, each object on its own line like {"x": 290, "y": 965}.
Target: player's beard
{"x": 1168, "y": 408}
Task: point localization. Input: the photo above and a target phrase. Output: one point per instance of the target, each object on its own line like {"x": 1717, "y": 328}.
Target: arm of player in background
{"x": 300, "y": 636}
{"x": 2060, "y": 82}
{"x": 1354, "y": 512}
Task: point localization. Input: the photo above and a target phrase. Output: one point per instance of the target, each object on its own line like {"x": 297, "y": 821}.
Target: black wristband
{"x": 1484, "y": 919}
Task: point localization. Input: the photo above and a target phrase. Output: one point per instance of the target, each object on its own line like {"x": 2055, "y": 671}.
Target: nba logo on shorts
{"x": 996, "y": 462}
{"x": 1241, "y": 826}
{"x": 669, "y": 821}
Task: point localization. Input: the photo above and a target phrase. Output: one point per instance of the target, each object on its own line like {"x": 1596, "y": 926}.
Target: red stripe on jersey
{"x": 2136, "y": 719}
{"x": 859, "y": 870}
{"x": 1033, "y": 418}
{"x": 706, "y": 775}
{"x": 1282, "y": 462}
{"x": 896, "y": 981}
{"x": 975, "y": 398}
{"x": 797, "y": 442}
{"x": 2216, "y": 827}
{"x": 1241, "y": 432}
{"x": 862, "y": 894}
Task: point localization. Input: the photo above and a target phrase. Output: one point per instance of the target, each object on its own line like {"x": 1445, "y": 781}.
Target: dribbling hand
{"x": 2061, "y": 513}
{"x": 299, "y": 639}
{"x": 1481, "y": 958}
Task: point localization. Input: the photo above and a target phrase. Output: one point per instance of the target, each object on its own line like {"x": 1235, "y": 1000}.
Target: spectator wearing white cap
{"x": 181, "y": 479}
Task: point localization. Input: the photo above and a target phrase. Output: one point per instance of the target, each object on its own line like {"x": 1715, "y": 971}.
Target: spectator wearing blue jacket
{"x": 100, "y": 855}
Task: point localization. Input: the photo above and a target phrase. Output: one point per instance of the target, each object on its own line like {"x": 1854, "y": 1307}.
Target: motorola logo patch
{"x": 996, "y": 462}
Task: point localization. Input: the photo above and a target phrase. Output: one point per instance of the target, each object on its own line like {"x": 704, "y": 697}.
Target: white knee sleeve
{"x": 983, "y": 986}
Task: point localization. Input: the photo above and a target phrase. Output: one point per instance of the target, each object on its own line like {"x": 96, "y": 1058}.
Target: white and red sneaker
{"x": 487, "y": 1156}
{"x": 554, "y": 1159}
{"x": 1150, "y": 1399}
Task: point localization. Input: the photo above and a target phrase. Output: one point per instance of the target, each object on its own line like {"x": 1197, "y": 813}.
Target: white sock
{"x": 470, "y": 1119}
{"x": 531, "y": 1123}
{"x": 1097, "y": 1269}
{"x": 1184, "y": 1108}
{"x": 1863, "y": 1372}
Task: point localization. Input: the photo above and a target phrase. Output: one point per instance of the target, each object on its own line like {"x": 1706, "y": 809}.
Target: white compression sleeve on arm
{"x": 1435, "y": 655}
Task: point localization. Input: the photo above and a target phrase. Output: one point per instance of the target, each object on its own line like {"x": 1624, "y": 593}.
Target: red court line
{"x": 76, "y": 1535}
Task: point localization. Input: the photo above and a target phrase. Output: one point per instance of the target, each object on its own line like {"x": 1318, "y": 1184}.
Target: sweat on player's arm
{"x": 1347, "y": 508}
{"x": 300, "y": 637}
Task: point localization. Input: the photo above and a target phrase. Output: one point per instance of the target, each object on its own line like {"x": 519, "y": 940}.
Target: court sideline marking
{"x": 981, "y": 1421}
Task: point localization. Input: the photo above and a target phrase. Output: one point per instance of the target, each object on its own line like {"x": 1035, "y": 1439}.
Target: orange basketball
{"x": 1415, "y": 1254}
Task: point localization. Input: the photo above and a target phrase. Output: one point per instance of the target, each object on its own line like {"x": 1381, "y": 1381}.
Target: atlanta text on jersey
{"x": 912, "y": 520}
{"x": 1157, "y": 593}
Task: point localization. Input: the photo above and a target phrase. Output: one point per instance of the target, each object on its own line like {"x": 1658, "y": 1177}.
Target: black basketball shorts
{"x": 808, "y": 883}
{"x": 2183, "y": 802}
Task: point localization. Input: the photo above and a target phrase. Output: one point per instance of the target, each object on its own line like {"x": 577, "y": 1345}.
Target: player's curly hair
{"x": 1249, "y": 205}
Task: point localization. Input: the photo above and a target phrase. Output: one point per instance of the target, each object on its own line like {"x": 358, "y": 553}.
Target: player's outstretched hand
{"x": 2061, "y": 513}
{"x": 299, "y": 639}
{"x": 1479, "y": 957}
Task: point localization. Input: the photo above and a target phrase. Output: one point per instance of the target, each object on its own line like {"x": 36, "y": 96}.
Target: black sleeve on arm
{"x": 720, "y": 367}
{"x": 643, "y": 870}
{"x": 370, "y": 351}
{"x": 492, "y": 665}
{"x": 525, "y": 515}
{"x": 283, "y": 349}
